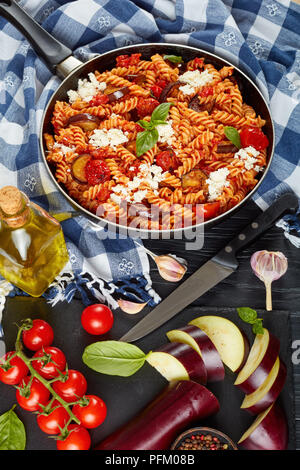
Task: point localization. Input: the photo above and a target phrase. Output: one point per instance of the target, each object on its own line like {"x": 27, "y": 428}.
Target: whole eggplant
{"x": 159, "y": 423}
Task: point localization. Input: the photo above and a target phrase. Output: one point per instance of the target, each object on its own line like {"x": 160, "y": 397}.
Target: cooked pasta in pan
{"x": 157, "y": 143}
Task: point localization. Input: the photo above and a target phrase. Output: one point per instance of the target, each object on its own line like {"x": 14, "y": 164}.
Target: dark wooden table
{"x": 242, "y": 288}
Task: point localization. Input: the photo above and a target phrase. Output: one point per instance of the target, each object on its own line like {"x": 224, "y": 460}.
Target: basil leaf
{"x": 114, "y": 358}
{"x": 158, "y": 123}
{"x": 145, "y": 124}
{"x": 176, "y": 59}
{"x": 145, "y": 141}
{"x": 257, "y": 327}
{"x": 12, "y": 432}
{"x": 161, "y": 112}
{"x": 233, "y": 135}
{"x": 247, "y": 314}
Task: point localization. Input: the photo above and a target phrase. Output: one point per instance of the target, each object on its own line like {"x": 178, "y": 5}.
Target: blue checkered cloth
{"x": 261, "y": 37}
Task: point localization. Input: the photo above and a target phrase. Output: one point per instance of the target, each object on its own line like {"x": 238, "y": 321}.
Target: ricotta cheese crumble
{"x": 248, "y": 156}
{"x": 87, "y": 89}
{"x": 107, "y": 138}
{"x": 194, "y": 79}
{"x": 216, "y": 182}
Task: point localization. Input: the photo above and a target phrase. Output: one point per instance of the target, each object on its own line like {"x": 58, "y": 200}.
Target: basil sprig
{"x": 147, "y": 139}
{"x": 249, "y": 315}
{"x": 12, "y": 431}
{"x": 114, "y": 358}
{"x": 233, "y": 135}
{"x": 176, "y": 59}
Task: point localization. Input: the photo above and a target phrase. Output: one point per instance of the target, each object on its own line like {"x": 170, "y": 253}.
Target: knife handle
{"x": 227, "y": 255}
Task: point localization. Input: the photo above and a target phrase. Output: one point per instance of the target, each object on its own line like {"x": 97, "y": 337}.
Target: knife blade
{"x": 222, "y": 265}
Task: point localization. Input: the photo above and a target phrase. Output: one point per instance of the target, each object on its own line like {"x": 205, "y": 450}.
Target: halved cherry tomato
{"x": 210, "y": 210}
{"x": 146, "y": 106}
{"x": 91, "y": 411}
{"x": 156, "y": 90}
{"x": 97, "y": 319}
{"x": 96, "y": 172}
{"x": 78, "y": 438}
{"x": 166, "y": 160}
{"x": 206, "y": 91}
{"x": 126, "y": 60}
{"x": 39, "y": 335}
{"x": 54, "y": 421}
{"x": 99, "y": 99}
{"x": 12, "y": 371}
{"x": 71, "y": 386}
{"x": 254, "y": 137}
{"x": 54, "y": 362}
{"x": 161, "y": 83}
{"x": 31, "y": 393}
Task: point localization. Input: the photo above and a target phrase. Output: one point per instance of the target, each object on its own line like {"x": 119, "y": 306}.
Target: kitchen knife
{"x": 211, "y": 273}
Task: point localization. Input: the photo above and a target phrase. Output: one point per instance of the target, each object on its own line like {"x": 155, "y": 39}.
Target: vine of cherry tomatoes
{"x": 46, "y": 386}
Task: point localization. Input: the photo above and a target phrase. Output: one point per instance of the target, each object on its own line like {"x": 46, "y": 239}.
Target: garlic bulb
{"x": 268, "y": 266}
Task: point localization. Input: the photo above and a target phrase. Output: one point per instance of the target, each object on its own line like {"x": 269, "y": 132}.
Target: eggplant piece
{"x": 160, "y": 422}
{"x": 78, "y": 167}
{"x": 200, "y": 342}
{"x": 195, "y": 105}
{"x": 226, "y": 148}
{"x": 198, "y": 107}
{"x": 228, "y": 339}
{"x": 86, "y": 121}
{"x": 178, "y": 361}
{"x": 260, "y": 362}
{"x": 118, "y": 94}
{"x": 268, "y": 432}
{"x": 194, "y": 179}
{"x": 167, "y": 90}
{"x": 138, "y": 78}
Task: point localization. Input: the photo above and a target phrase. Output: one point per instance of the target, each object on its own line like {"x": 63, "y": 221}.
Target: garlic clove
{"x": 131, "y": 307}
{"x": 268, "y": 266}
{"x": 170, "y": 268}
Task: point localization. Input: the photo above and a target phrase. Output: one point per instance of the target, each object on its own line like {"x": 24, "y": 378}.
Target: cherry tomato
{"x": 12, "y": 372}
{"x": 31, "y": 394}
{"x": 99, "y": 99}
{"x": 50, "y": 367}
{"x": 54, "y": 421}
{"x": 166, "y": 160}
{"x": 39, "y": 335}
{"x": 146, "y": 106}
{"x": 97, "y": 319}
{"x": 206, "y": 91}
{"x": 78, "y": 438}
{"x": 210, "y": 209}
{"x": 96, "y": 172}
{"x": 254, "y": 137}
{"x": 161, "y": 83}
{"x": 156, "y": 90}
{"x": 92, "y": 411}
{"x": 103, "y": 195}
{"x": 126, "y": 60}
{"x": 74, "y": 387}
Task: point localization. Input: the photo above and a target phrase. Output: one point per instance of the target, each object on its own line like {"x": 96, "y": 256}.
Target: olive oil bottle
{"x": 32, "y": 245}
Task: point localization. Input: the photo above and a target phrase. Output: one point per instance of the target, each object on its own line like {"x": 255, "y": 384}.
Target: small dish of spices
{"x": 203, "y": 439}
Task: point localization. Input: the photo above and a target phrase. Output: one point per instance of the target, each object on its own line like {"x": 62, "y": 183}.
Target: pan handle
{"x": 45, "y": 45}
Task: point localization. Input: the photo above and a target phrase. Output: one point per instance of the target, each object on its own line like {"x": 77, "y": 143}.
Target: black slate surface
{"x": 138, "y": 390}
{"x": 242, "y": 288}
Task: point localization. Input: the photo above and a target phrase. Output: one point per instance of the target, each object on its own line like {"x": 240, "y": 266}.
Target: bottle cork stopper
{"x": 11, "y": 201}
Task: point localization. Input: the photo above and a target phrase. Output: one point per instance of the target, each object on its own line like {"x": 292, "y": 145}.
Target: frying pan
{"x": 60, "y": 60}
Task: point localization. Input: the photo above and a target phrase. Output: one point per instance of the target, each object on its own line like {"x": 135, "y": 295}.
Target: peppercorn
{"x": 202, "y": 442}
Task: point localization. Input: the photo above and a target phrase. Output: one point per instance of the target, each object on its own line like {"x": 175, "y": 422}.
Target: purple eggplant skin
{"x": 211, "y": 357}
{"x": 159, "y": 423}
{"x": 189, "y": 358}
